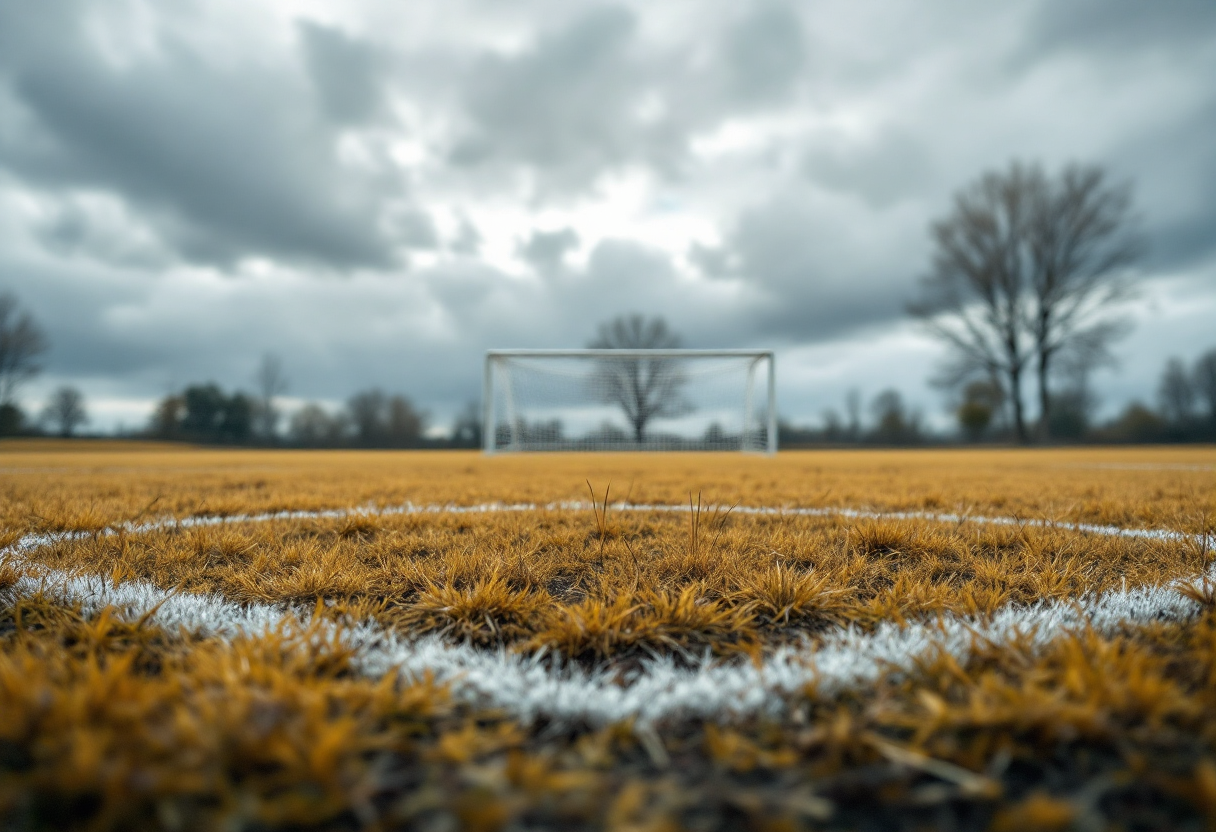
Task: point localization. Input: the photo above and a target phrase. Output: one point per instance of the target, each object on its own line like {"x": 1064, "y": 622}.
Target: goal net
{"x": 654, "y": 400}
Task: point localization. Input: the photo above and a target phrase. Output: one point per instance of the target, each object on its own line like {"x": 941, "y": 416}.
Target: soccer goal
{"x": 630, "y": 400}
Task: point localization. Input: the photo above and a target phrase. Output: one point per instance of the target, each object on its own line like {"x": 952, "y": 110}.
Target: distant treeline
{"x": 369, "y": 419}
{"x": 1185, "y": 411}
{"x": 983, "y": 400}
{"x": 890, "y": 422}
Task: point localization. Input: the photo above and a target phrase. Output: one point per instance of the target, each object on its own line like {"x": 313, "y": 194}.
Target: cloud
{"x": 467, "y": 239}
{"x": 562, "y": 106}
{"x": 413, "y": 227}
{"x": 598, "y": 92}
{"x": 1117, "y": 27}
{"x": 821, "y": 264}
{"x": 1176, "y": 191}
{"x": 890, "y": 165}
{"x": 346, "y": 71}
{"x": 93, "y": 227}
{"x": 546, "y": 249}
{"x": 423, "y": 333}
{"x": 381, "y": 191}
{"x": 765, "y": 52}
{"x": 224, "y": 161}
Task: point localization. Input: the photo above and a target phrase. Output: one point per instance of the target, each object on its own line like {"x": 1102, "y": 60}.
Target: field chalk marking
{"x": 658, "y": 691}
{"x": 491, "y": 508}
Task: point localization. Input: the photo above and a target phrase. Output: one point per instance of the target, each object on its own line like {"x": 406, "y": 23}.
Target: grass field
{"x": 827, "y": 639}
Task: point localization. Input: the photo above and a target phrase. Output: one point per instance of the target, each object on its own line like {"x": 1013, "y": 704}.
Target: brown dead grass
{"x": 80, "y": 485}
{"x": 590, "y": 589}
{"x": 113, "y": 724}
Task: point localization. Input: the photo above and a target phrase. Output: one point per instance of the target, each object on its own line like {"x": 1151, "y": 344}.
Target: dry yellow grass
{"x": 113, "y": 725}
{"x": 84, "y": 485}
{"x": 107, "y": 723}
{"x": 562, "y": 582}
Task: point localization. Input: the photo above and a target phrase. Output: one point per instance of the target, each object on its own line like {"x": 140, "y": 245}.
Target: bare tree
{"x": 974, "y": 297}
{"x": 643, "y": 388}
{"x": 271, "y": 383}
{"x": 166, "y": 421}
{"x": 893, "y": 422}
{"x": 1082, "y": 239}
{"x": 832, "y": 429}
{"x": 368, "y": 411}
{"x": 1026, "y": 269}
{"x": 466, "y": 430}
{"x": 382, "y": 420}
{"x": 852, "y": 406}
{"x": 405, "y": 423}
{"x": 309, "y": 425}
{"x": 1175, "y": 394}
{"x": 65, "y": 411}
{"x": 312, "y": 425}
{"x": 1073, "y": 401}
{"x": 1205, "y": 381}
{"x": 982, "y": 400}
{"x": 21, "y": 343}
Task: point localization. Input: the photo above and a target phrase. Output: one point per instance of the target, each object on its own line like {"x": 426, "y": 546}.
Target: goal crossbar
{"x": 512, "y": 378}
{"x": 614, "y": 353}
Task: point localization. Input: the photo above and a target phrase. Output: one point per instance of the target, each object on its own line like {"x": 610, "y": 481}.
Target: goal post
{"x": 627, "y": 399}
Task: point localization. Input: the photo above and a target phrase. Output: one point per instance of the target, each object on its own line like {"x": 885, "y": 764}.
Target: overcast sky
{"x": 379, "y": 191}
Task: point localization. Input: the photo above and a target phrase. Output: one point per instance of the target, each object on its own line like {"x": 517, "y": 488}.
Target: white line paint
{"x": 958, "y": 519}
{"x": 1139, "y": 466}
{"x": 659, "y": 691}
{"x": 492, "y": 508}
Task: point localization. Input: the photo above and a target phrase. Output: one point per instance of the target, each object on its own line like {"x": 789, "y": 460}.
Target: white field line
{"x": 660, "y": 691}
{"x": 575, "y": 505}
{"x": 1140, "y": 466}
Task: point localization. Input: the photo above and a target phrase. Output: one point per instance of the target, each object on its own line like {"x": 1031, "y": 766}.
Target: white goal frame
{"x": 496, "y": 358}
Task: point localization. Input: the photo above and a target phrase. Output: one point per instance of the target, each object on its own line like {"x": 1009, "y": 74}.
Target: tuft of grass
{"x": 490, "y": 611}
{"x": 781, "y": 596}
{"x": 1202, "y": 591}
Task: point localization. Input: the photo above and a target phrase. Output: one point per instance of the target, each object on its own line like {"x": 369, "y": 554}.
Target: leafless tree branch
{"x": 644, "y": 388}
{"x": 22, "y": 342}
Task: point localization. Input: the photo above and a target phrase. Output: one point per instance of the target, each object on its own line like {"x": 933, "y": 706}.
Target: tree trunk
{"x": 639, "y": 430}
{"x": 1044, "y": 395}
{"x": 1015, "y": 394}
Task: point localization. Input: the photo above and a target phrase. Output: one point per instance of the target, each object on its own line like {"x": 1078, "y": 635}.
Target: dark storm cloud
{"x": 593, "y": 94}
{"x": 1188, "y": 242}
{"x": 546, "y": 249}
{"x": 225, "y": 161}
{"x": 1176, "y": 194}
{"x": 1119, "y": 27}
{"x": 423, "y": 334}
{"x": 765, "y": 52}
{"x": 793, "y": 155}
{"x": 1166, "y": 154}
{"x": 563, "y": 307}
{"x": 561, "y": 106}
{"x": 78, "y": 231}
{"x": 413, "y": 228}
{"x": 714, "y": 261}
{"x": 347, "y": 71}
{"x": 893, "y": 165}
{"x": 77, "y": 305}
{"x": 625, "y": 277}
{"x": 818, "y": 271}
{"x": 467, "y": 239}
